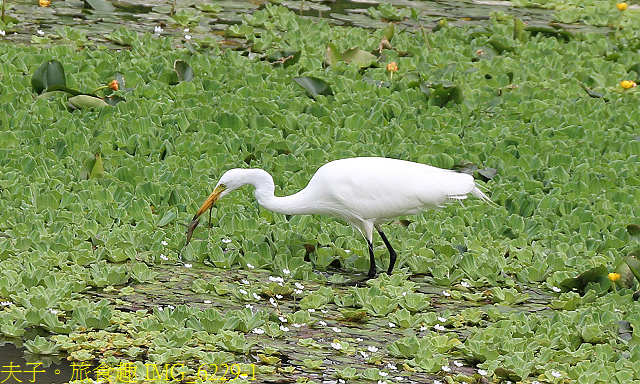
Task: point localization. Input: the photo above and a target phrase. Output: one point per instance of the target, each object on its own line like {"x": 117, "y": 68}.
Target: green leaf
{"x": 579, "y": 282}
{"x": 168, "y": 217}
{"x": 507, "y": 374}
{"x": 63, "y": 88}
{"x": 358, "y": 56}
{"x": 389, "y": 31}
{"x": 518, "y": 29}
{"x": 183, "y": 70}
{"x": 86, "y": 101}
{"x": 553, "y": 31}
{"x": 86, "y": 168}
{"x": 97, "y": 171}
{"x": 487, "y": 173}
{"x": 634, "y": 266}
{"x": 634, "y": 230}
{"x": 441, "y": 92}
{"x": 331, "y": 55}
{"x": 102, "y": 6}
{"x": 48, "y": 74}
{"x": 314, "y": 86}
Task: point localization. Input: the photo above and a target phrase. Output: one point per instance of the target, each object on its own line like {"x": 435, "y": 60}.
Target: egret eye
{"x": 223, "y": 186}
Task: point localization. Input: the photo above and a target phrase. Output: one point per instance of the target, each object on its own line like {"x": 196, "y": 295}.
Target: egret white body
{"x": 363, "y": 191}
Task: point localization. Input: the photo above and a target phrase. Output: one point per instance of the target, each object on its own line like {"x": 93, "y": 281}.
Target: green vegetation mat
{"x": 93, "y": 203}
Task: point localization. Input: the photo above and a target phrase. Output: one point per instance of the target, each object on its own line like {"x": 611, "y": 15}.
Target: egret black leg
{"x": 372, "y": 261}
{"x": 392, "y": 253}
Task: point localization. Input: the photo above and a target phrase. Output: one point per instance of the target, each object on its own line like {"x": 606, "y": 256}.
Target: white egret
{"x": 363, "y": 191}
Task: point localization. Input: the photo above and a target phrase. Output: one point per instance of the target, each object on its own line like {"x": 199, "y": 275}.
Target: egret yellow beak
{"x": 213, "y": 197}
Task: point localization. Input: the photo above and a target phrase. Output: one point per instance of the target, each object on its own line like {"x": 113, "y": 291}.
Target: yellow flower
{"x": 392, "y": 66}
{"x": 626, "y": 84}
{"x": 44, "y": 3}
{"x": 621, "y": 6}
{"x": 614, "y": 276}
{"x": 114, "y": 84}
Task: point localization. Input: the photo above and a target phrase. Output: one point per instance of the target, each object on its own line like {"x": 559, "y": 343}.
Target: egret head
{"x": 230, "y": 181}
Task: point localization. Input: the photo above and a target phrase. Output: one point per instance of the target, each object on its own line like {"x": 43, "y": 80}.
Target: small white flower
{"x": 163, "y": 257}
{"x": 442, "y": 319}
{"x": 40, "y": 32}
{"x": 336, "y": 329}
{"x": 391, "y": 325}
{"x": 286, "y": 271}
{"x": 359, "y": 339}
{"x": 242, "y": 291}
{"x": 439, "y": 327}
{"x": 383, "y": 374}
{"x": 296, "y": 325}
{"x": 283, "y": 319}
{"x": 424, "y": 328}
{"x": 244, "y": 281}
{"x": 336, "y": 345}
{"x": 322, "y": 323}
{"x": 311, "y": 310}
{"x": 160, "y": 309}
{"x": 392, "y": 366}
{"x": 187, "y": 37}
{"x": 171, "y": 307}
{"x": 157, "y": 30}
{"x": 372, "y": 348}
{"x": 446, "y": 294}
{"x": 187, "y": 265}
{"x": 404, "y": 293}
{"x": 278, "y": 296}
{"x": 297, "y": 291}
{"x": 284, "y": 329}
{"x": 465, "y": 284}
{"x": 258, "y": 331}
{"x": 437, "y": 382}
{"x": 364, "y": 354}
{"x": 164, "y": 242}
{"x": 324, "y": 311}
{"x": 347, "y": 251}
{"x": 276, "y": 279}
{"x": 54, "y": 311}
{"x": 556, "y": 289}
{"x": 250, "y": 266}
{"x": 256, "y": 296}
{"x": 482, "y": 372}
{"x": 457, "y": 363}
{"x": 535, "y": 382}
{"x": 2, "y": 33}
{"x": 248, "y": 306}
{"x": 446, "y": 368}
{"x": 298, "y": 285}
{"x": 207, "y": 301}
{"x": 226, "y": 241}
{"x": 273, "y": 301}
{"x": 186, "y": 30}
{"x": 556, "y": 374}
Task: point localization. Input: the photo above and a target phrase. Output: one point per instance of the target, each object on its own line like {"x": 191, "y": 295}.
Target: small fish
{"x": 190, "y": 228}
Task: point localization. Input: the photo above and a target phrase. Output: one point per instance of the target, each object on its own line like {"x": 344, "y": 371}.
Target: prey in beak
{"x": 213, "y": 197}
{"x": 211, "y": 200}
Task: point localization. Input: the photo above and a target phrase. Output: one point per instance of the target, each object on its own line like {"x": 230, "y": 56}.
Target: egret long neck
{"x": 300, "y": 203}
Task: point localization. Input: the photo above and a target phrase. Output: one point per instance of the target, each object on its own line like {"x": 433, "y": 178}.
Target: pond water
{"x": 202, "y": 18}
{"x": 19, "y": 367}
